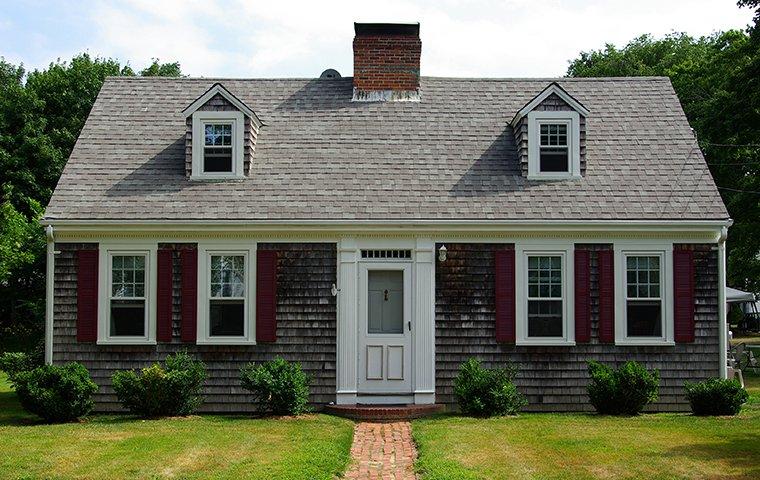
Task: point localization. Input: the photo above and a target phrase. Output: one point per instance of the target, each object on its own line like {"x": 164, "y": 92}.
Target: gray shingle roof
{"x": 450, "y": 156}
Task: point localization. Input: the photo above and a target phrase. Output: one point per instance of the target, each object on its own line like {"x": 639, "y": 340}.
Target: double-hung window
{"x": 127, "y": 294}
{"x": 554, "y": 145}
{"x": 226, "y": 306}
{"x": 218, "y": 143}
{"x": 644, "y": 293}
{"x": 544, "y": 311}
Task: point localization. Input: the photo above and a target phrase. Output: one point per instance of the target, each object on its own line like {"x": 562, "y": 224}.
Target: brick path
{"x": 382, "y": 451}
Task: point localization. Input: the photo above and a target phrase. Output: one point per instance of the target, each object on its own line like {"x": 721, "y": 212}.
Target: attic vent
{"x": 386, "y": 254}
{"x": 330, "y": 73}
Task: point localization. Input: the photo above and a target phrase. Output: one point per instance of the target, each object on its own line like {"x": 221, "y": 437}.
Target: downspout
{"x": 722, "y": 317}
{"x": 49, "y": 294}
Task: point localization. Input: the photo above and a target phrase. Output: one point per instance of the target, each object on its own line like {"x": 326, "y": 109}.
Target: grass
{"x": 549, "y": 446}
{"x": 119, "y": 446}
{"x": 748, "y": 338}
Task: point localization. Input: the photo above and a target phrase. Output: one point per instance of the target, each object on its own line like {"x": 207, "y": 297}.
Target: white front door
{"x": 385, "y": 324}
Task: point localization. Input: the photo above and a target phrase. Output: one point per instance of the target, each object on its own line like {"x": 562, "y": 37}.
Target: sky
{"x": 284, "y": 38}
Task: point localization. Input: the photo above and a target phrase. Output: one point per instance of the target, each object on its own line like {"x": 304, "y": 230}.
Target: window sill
{"x": 544, "y": 343}
{"x": 216, "y": 178}
{"x": 644, "y": 343}
{"x": 231, "y": 341}
{"x": 546, "y": 176}
{"x": 126, "y": 341}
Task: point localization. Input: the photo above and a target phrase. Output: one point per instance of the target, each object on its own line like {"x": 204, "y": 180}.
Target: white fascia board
{"x": 560, "y": 92}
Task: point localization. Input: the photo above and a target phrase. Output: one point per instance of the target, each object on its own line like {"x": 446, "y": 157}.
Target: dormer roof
{"x": 552, "y": 88}
{"x": 219, "y": 89}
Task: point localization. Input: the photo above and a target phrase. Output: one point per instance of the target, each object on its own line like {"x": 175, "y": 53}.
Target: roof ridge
{"x": 426, "y": 77}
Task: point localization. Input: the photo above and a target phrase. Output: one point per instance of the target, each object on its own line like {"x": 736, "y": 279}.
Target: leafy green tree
{"x": 717, "y": 79}
{"x": 41, "y": 115}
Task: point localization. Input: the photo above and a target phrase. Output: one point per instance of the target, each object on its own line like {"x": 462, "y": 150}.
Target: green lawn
{"x": 544, "y": 446}
{"x": 309, "y": 447}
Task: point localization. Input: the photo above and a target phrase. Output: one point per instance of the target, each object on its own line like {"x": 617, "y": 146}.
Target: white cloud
{"x": 460, "y": 38}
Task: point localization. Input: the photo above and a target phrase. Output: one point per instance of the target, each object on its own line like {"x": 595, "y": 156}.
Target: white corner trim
{"x": 560, "y": 92}
{"x": 564, "y": 249}
{"x": 665, "y": 251}
{"x": 572, "y": 120}
{"x": 722, "y": 319}
{"x": 201, "y": 118}
{"x": 205, "y": 250}
{"x": 218, "y": 88}
{"x": 106, "y": 250}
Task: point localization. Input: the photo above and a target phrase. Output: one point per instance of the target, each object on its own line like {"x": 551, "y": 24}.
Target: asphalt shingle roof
{"x": 450, "y": 156}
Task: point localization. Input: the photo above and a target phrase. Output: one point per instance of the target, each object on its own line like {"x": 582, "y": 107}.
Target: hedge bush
{"x": 625, "y": 391}
{"x": 158, "y": 392}
{"x": 486, "y": 392}
{"x": 13, "y": 363}
{"x": 716, "y": 396}
{"x": 55, "y": 393}
{"x": 278, "y": 386}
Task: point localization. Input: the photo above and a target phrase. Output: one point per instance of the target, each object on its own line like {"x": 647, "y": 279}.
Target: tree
{"x": 717, "y": 79}
{"x": 41, "y": 115}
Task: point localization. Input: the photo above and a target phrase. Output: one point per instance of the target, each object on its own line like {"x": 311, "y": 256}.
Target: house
{"x": 382, "y": 229}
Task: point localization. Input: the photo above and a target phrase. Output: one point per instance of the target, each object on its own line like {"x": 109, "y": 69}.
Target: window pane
{"x": 644, "y": 318}
{"x": 227, "y": 318}
{"x": 127, "y": 318}
{"x": 643, "y": 276}
{"x": 128, "y": 276}
{"x": 217, "y": 159}
{"x": 227, "y": 276}
{"x": 545, "y": 318}
{"x": 553, "y": 159}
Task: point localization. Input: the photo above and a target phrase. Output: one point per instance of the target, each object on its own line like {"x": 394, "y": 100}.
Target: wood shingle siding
{"x": 555, "y": 378}
{"x": 306, "y": 328}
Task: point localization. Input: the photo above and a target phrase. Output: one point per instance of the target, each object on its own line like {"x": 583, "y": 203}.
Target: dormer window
{"x": 221, "y": 135}
{"x": 217, "y": 145}
{"x": 217, "y": 150}
{"x": 552, "y": 126}
{"x": 553, "y": 145}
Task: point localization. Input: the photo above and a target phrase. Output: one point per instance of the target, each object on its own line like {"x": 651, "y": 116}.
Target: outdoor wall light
{"x": 442, "y": 253}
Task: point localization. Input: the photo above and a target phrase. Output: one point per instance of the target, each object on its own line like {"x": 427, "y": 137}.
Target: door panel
{"x": 385, "y": 328}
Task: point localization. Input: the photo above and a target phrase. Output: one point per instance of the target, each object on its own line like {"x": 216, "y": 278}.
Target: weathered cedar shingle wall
{"x": 554, "y": 378}
{"x": 250, "y": 133}
{"x": 552, "y": 103}
{"x": 306, "y": 330}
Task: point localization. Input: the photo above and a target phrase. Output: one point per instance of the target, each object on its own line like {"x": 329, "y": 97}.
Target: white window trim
{"x": 572, "y": 119}
{"x": 665, "y": 252}
{"x": 522, "y": 251}
{"x": 200, "y": 119}
{"x": 106, "y": 252}
{"x": 204, "y": 262}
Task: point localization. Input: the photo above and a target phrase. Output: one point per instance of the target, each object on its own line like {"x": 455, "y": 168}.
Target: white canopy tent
{"x": 737, "y": 296}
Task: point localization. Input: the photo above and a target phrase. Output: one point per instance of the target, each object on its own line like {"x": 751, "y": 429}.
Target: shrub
{"x": 278, "y": 386}
{"x": 484, "y": 392}
{"x": 13, "y": 363}
{"x": 716, "y": 396}
{"x": 56, "y": 393}
{"x": 156, "y": 392}
{"x": 625, "y": 391}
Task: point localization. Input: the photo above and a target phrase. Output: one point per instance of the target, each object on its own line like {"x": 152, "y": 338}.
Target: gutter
{"x": 722, "y": 307}
{"x": 49, "y": 293}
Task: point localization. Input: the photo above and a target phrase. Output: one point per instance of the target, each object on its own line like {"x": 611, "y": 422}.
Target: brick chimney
{"x": 387, "y": 62}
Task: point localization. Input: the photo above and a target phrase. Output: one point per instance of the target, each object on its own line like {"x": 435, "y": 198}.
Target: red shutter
{"x": 164, "y": 296}
{"x": 582, "y": 297}
{"x": 189, "y": 306}
{"x": 87, "y": 295}
{"x": 683, "y": 292}
{"x": 266, "y": 296}
{"x": 606, "y": 296}
{"x": 504, "y": 279}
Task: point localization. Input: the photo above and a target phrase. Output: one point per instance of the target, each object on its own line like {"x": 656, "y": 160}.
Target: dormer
{"x": 221, "y": 132}
{"x": 550, "y": 133}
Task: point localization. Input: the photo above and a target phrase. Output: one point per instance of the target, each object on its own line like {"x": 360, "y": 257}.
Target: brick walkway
{"x": 382, "y": 451}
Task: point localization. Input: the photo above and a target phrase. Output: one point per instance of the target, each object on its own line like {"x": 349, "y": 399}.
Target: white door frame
{"x": 422, "y": 307}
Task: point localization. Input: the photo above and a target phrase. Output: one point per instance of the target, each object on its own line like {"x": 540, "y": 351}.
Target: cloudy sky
{"x": 283, "y": 38}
